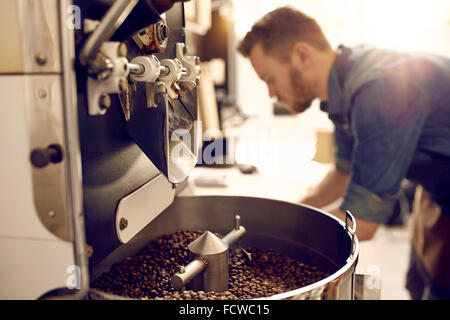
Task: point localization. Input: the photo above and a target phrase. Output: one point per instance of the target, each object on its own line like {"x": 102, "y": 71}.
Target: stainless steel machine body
{"x": 42, "y": 237}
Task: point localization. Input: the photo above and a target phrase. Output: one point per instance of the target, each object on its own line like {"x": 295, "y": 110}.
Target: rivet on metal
{"x": 42, "y": 93}
{"x": 40, "y": 58}
{"x": 104, "y": 101}
{"x": 237, "y": 222}
{"x": 122, "y": 50}
{"x": 123, "y": 85}
{"x": 123, "y": 224}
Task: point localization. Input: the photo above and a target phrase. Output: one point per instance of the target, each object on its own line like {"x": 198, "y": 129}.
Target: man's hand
{"x": 331, "y": 188}
{"x": 164, "y": 5}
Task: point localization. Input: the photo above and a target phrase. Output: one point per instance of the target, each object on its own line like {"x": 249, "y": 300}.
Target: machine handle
{"x": 41, "y": 157}
{"x": 352, "y": 231}
{"x": 348, "y": 215}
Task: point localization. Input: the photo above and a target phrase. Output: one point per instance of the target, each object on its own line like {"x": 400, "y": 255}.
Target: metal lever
{"x": 112, "y": 20}
{"x": 235, "y": 234}
{"x": 188, "y": 272}
{"x": 191, "y": 64}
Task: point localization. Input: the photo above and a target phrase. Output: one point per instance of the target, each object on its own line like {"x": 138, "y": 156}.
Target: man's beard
{"x": 304, "y": 90}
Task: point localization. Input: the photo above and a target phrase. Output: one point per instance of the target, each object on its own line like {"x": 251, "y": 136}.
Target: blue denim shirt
{"x": 388, "y": 109}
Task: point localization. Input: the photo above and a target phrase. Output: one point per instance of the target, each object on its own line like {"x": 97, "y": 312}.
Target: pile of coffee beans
{"x": 147, "y": 275}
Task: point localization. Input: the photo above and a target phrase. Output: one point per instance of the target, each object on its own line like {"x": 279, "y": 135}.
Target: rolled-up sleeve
{"x": 367, "y": 205}
{"x": 343, "y": 165}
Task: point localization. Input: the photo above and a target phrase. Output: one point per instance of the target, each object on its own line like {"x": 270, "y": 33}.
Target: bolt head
{"x": 122, "y": 50}
{"x": 123, "y": 85}
{"x": 89, "y": 250}
{"x": 40, "y": 58}
{"x": 123, "y": 224}
{"x": 42, "y": 93}
{"x": 104, "y": 101}
{"x": 159, "y": 98}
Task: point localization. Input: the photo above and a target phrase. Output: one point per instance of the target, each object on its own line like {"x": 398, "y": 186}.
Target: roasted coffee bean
{"x": 147, "y": 274}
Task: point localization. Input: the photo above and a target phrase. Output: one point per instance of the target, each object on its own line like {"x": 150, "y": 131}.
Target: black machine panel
{"x": 113, "y": 164}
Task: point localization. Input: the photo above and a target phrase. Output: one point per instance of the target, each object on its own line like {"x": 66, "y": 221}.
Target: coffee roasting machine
{"x": 99, "y": 110}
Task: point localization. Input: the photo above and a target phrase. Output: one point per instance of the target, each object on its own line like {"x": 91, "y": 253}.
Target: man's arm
{"x": 331, "y": 188}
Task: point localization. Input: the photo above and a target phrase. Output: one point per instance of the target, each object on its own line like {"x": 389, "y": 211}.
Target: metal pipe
{"x": 187, "y": 273}
{"x": 164, "y": 70}
{"x": 112, "y": 20}
{"x": 234, "y": 236}
{"x": 135, "y": 68}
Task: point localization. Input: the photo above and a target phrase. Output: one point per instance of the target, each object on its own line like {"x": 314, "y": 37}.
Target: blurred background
{"x": 216, "y": 26}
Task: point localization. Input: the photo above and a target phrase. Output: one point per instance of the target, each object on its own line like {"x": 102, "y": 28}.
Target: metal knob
{"x": 191, "y": 64}
{"x": 145, "y": 68}
{"x": 171, "y": 73}
{"x": 41, "y": 157}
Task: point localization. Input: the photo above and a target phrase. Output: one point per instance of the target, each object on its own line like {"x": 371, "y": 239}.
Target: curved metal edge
{"x": 351, "y": 261}
{"x": 352, "y": 218}
{"x": 294, "y": 294}
{"x": 353, "y": 230}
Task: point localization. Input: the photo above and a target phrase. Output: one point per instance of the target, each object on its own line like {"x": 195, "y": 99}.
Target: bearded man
{"x": 391, "y": 113}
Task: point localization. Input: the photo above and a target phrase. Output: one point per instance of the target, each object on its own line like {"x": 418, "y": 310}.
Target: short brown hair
{"x": 278, "y": 30}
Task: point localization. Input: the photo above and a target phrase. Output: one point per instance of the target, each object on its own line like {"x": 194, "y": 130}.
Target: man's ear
{"x": 301, "y": 55}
